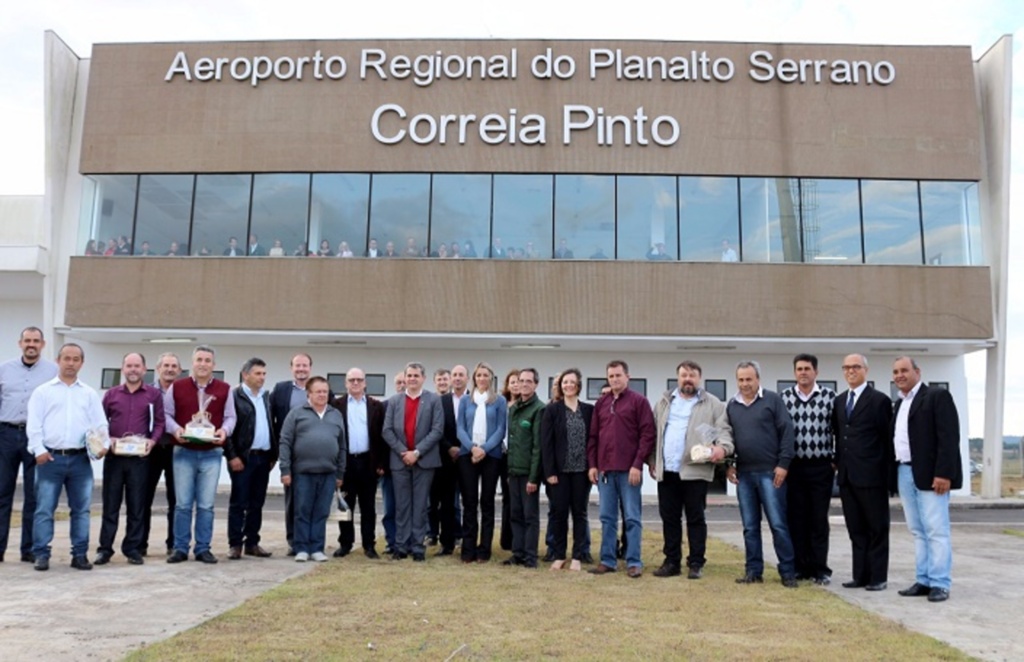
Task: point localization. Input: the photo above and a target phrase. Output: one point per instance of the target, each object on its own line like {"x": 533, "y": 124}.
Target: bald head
{"x": 355, "y": 383}
{"x": 460, "y": 377}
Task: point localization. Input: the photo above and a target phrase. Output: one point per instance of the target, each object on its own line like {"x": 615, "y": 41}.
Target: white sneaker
{"x": 319, "y": 557}
{"x": 301, "y": 557}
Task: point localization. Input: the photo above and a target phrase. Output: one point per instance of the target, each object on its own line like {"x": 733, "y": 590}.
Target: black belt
{"x": 363, "y": 454}
{"x": 16, "y": 426}
{"x": 65, "y": 451}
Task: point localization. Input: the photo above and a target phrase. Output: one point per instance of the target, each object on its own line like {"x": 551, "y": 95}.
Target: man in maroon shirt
{"x": 621, "y": 439}
{"x": 132, "y": 408}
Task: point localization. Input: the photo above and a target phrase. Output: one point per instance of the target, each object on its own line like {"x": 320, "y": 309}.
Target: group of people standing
{"x": 431, "y": 451}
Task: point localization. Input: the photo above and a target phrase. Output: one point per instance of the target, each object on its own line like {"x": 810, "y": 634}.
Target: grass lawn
{"x": 361, "y": 609}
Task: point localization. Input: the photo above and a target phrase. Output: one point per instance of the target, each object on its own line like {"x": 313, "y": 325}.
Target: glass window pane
{"x": 584, "y": 217}
{"x": 111, "y": 214}
{"x": 892, "y": 227}
{"x": 221, "y": 215}
{"x": 830, "y": 215}
{"x": 522, "y": 215}
{"x": 165, "y": 205}
{"x": 709, "y": 219}
{"x": 770, "y": 208}
{"x": 399, "y": 210}
{"x": 952, "y": 224}
{"x": 460, "y": 217}
{"x": 339, "y": 213}
{"x": 647, "y": 218}
{"x": 280, "y": 203}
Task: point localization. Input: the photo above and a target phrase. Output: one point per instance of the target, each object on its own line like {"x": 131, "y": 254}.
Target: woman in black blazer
{"x": 564, "y": 430}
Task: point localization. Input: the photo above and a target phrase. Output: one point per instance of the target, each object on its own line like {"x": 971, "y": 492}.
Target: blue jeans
{"x": 387, "y": 494}
{"x": 196, "y": 474}
{"x": 927, "y": 516}
{"x": 312, "y": 494}
{"x": 613, "y": 487}
{"x": 756, "y": 491}
{"x": 74, "y": 473}
{"x": 14, "y": 454}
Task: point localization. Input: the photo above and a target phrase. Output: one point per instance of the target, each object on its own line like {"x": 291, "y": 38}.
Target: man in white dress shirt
{"x": 60, "y": 412}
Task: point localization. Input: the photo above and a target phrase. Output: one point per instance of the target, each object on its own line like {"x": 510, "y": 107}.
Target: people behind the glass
{"x": 563, "y": 252}
{"x": 728, "y": 254}
{"x": 657, "y": 252}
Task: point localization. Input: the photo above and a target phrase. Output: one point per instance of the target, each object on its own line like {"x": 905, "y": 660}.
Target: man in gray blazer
{"x": 413, "y": 459}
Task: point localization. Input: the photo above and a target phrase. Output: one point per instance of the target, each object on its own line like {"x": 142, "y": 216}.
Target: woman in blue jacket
{"x": 483, "y": 415}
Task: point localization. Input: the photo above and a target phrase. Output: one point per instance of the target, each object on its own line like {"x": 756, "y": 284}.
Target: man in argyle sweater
{"x": 811, "y": 473}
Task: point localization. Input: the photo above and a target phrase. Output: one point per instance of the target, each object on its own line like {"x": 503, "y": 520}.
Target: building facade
{"x": 644, "y": 200}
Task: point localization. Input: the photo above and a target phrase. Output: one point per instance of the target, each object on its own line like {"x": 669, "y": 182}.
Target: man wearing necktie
{"x": 862, "y": 424}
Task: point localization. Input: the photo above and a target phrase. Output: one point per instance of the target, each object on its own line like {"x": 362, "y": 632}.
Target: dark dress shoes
{"x": 136, "y": 559}
{"x": 750, "y": 578}
{"x": 81, "y": 563}
{"x": 915, "y": 590}
{"x": 42, "y": 564}
{"x": 370, "y": 553}
{"x": 853, "y": 584}
{"x": 419, "y": 557}
{"x": 695, "y": 572}
{"x": 938, "y": 595}
{"x": 28, "y": 557}
{"x": 790, "y": 582}
{"x": 234, "y": 553}
{"x": 257, "y": 551}
{"x": 668, "y": 570}
{"x": 602, "y": 569}
{"x": 177, "y": 556}
{"x": 206, "y": 557}
{"x": 342, "y": 552}
{"x": 103, "y": 558}
{"x": 877, "y": 586}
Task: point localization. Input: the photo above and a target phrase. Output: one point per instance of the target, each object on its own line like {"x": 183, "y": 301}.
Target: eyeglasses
{"x": 355, "y": 379}
{"x": 850, "y": 368}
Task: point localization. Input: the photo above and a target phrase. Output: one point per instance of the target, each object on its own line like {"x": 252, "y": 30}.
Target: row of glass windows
{"x": 534, "y": 216}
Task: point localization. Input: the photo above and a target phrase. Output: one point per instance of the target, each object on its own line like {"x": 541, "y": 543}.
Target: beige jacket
{"x": 708, "y": 409}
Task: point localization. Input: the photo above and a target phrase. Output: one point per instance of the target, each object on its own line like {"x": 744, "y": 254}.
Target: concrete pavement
{"x": 107, "y": 612}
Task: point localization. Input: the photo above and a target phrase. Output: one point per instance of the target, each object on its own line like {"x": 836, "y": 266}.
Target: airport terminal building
{"x": 547, "y": 204}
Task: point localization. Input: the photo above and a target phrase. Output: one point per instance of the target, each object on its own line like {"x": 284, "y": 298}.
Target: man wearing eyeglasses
{"x": 367, "y": 457}
{"x": 862, "y": 424}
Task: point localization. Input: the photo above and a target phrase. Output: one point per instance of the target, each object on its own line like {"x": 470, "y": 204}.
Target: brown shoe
{"x": 601, "y": 569}
{"x": 235, "y": 553}
{"x": 256, "y": 550}
{"x": 634, "y": 572}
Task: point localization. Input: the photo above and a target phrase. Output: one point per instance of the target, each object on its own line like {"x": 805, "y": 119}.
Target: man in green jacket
{"x": 524, "y": 473}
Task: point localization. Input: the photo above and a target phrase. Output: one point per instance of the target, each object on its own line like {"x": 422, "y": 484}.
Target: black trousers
{"x": 506, "y": 506}
{"x": 159, "y": 462}
{"x": 289, "y": 517}
{"x": 808, "y": 497}
{"x": 442, "y": 504}
{"x": 359, "y": 488}
{"x": 866, "y": 510}
{"x": 248, "y": 495}
{"x": 124, "y": 480}
{"x": 525, "y": 511}
{"x": 14, "y": 454}
{"x": 570, "y": 495}
{"x": 478, "y": 483}
{"x": 677, "y": 497}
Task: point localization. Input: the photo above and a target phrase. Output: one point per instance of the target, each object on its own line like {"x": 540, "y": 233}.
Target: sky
{"x": 80, "y": 24}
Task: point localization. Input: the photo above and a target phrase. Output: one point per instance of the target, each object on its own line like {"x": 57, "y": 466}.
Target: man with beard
{"x": 685, "y": 418}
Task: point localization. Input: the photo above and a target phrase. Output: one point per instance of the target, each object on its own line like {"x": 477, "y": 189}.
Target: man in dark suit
{"x": 255, "y": 248}
{"x": 451, "y": 386}
{"x": 287, "y": 395}
{"x": 413, "y": 427}
{"x": 926, "y": 438}
{"x": 862, "y": 423}
{"x": 367, "y": 455}
{"x": 233, "y": 249}
{"x": 251, "y": 452}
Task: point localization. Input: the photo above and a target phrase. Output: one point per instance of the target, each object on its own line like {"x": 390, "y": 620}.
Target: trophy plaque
{"x": 96, "y": 439}
{"x": 200, "y": 430}
{"x": 131, "y": 445}
{"x": 701, "y": 453}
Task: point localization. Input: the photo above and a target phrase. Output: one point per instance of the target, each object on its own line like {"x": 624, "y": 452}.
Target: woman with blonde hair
{"x": 481, "y": 424}
{"x": 564, "y": 430}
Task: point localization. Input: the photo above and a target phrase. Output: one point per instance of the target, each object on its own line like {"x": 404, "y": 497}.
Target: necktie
{"x": 849, "y": 404}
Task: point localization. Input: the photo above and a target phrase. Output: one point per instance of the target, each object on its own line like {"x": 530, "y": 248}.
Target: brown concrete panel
{"x": 923, "y": 125}
{"x": 523, "y": 297}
